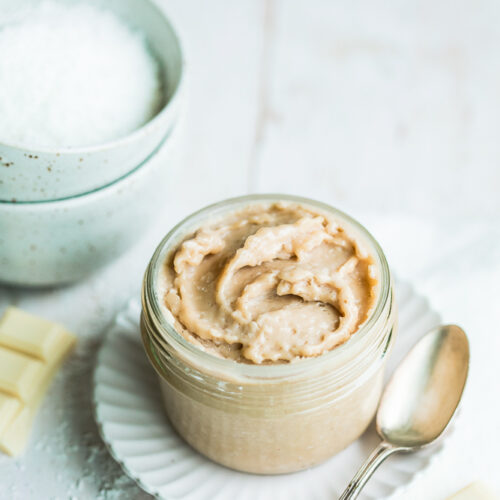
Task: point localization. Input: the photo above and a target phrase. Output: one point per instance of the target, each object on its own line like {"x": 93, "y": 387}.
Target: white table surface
{"x": 389, "y": 110}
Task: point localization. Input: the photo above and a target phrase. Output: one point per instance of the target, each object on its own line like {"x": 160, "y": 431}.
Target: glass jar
{"x": 277, "y": 418}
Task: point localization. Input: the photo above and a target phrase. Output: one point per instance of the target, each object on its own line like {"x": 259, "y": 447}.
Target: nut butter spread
{"x": 270, "y": 283}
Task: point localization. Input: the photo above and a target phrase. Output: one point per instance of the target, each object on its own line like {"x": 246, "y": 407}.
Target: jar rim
{"x": 212, "y": 363}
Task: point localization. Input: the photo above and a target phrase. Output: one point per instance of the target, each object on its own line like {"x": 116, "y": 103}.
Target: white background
{"x": 389, "y": 110}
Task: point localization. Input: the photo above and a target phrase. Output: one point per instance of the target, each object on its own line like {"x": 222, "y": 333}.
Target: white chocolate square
{"x": 10, "y": 406}
{"x": 20, "y": 375}
{"x": 475, "y": 491}
{"x": 28, "y": 334}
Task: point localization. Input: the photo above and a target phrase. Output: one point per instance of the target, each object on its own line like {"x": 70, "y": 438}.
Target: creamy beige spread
{"x": 270, "y": 283}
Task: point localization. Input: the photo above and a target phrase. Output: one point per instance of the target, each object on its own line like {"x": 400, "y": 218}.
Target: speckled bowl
{"x": 54, "y": 242}
{"x": 51, "y": 174}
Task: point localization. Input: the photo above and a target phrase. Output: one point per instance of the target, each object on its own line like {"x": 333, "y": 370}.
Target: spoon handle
{"x": 381, "y": 452}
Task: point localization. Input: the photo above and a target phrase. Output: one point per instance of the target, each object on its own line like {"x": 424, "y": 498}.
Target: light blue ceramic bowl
{"x": 54, "y": 242}
{"x": 50, "y": 174}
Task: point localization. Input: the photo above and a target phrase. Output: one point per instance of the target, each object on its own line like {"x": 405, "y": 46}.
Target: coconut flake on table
{"x": 74, "y": 75}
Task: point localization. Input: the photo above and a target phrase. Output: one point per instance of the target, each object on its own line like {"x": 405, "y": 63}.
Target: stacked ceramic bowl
{"x": 65, "y": 212}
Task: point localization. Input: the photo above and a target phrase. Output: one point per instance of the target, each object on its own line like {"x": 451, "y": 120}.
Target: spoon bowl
{"x": 425, "y": 389}
{"x": 420, "y": 399}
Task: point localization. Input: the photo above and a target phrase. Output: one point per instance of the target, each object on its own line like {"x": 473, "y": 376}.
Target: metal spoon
{"x": 419, "y": 400}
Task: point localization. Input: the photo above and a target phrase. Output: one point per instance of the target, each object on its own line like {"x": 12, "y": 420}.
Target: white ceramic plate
{"x": 133, "y": 425}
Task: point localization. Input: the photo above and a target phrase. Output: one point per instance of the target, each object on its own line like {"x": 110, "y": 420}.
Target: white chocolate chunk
{"x": 20, "y": 375}
{"x": 24, "y": 379}
{"x": 475, "y": 491}
{"x": 14, "y": 438}
{"x": 28, "y": 334}
{"x": 10, "y": 406}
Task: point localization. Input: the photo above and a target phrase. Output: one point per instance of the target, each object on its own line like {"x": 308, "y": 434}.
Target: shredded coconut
{"x": 74, "y": 75}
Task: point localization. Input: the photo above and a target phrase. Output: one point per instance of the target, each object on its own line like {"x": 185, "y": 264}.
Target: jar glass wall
{"x": 274, "y": 418}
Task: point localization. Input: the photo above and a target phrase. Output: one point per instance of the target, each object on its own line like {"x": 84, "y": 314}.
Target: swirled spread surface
{"x": 270, "y": 283}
